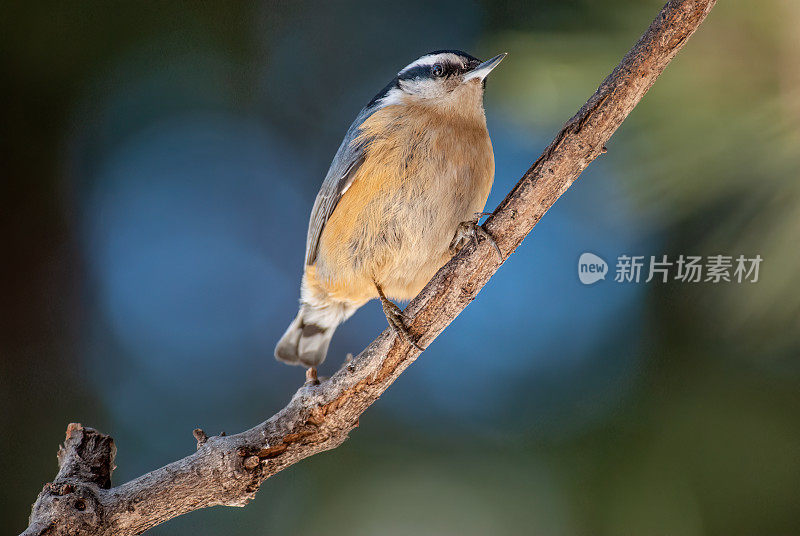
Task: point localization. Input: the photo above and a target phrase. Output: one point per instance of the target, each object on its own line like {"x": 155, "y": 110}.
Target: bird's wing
{"x": 340, "y": 176}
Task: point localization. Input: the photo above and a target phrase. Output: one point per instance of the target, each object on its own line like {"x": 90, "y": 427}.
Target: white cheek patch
{"x": 419, "y": 88}
{"x": 394, "y": 96}
{"x": 425, "y": 87}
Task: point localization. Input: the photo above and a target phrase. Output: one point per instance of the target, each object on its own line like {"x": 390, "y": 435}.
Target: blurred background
{"x": 159, "y": 162}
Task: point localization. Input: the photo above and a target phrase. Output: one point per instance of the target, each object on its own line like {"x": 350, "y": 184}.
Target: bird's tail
{"x": 306, "y": 340}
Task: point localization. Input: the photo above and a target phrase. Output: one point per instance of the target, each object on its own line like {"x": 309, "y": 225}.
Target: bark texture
{"x": 228, "y": 470}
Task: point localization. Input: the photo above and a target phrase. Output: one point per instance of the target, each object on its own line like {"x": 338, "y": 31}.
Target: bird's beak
{"x": 482, "y": 71}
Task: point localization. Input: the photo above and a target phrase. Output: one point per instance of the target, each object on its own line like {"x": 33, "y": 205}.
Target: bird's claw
{"x": 395, "y": 317}
{"x": 399, "y": 327}
{"x": 471, "y": 230}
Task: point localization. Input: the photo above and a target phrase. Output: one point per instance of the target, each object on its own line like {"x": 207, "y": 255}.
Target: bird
{"x": 404, "y": 192}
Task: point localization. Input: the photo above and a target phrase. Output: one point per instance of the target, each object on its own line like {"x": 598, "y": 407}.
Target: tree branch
{"x": 228, "y": 470}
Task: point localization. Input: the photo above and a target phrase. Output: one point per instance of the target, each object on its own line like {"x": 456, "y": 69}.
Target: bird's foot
{"x": 311, "y": 376}
{"x": 396, "y": 319}
{"x": 471, "y": 230}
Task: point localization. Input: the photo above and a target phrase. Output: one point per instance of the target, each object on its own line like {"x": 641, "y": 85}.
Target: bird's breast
{"x": 421, "y": 176}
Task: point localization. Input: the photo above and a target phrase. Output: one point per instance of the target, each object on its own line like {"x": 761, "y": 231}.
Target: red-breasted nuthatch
{"x": 401, "y": 196}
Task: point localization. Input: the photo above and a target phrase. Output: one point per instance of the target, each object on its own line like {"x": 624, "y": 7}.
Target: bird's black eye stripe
{"x": 416, "y": 72}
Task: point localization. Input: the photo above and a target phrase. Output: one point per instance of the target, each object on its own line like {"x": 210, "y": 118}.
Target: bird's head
{"x": 445, "y": 79}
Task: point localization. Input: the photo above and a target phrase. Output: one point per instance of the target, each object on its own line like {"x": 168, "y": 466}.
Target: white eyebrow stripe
{"x": 432, "y": 59}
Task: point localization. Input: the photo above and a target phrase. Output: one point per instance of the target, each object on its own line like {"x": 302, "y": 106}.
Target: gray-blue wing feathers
{"x": 340, "y": 176}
